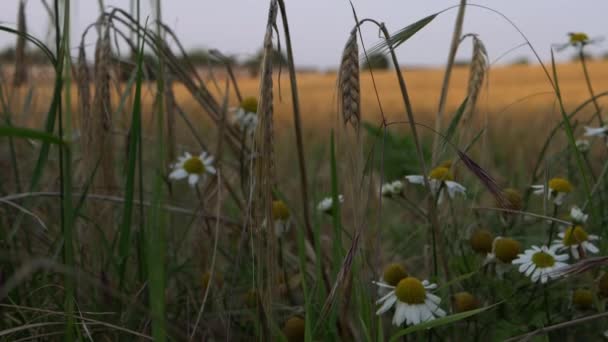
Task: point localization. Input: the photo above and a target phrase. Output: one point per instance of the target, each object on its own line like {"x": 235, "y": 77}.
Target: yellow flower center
{"x": 578, "y": 37}
{"x": 441, "y": 173}
{"x": 603, "y": 285}
{"x": 294, "y": 329}
{"x": 464, "y": 301}
{"x": 410, "y": 291}
{"x": 575, "y": 236}
{"x": 560, "y": 185}
{"x": 393, "y": 273}
{"x": 506, "y": 249}
{"x": 543, "y": 260}
{"x": 194, "y": 165}
{"x": 280, "y": 210}
{"x": 513, "y": 197}
{"x": 582, "y": 299}
{"x": 481, "y": 241}
{"x": 250, "y": 104}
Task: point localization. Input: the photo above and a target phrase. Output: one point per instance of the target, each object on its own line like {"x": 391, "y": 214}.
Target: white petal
{"x": 455, "y": 188}
{"x": 559, "y": 199}
{"x": 425, "y": 313}
{"x": 388, "y": 303}
{"x": 413, "y": 317}
{"x": 560, "y": 257}
{"x": 211, "y": 170}
{"x": 595, "y": 131}
{"x": 575, "y": 254}
{"x": 178, "y": 174}
{"x": 399, "y": 316}
{"x": 531, "y": 269}
{"x": 536, "y": 275}
{"x": 524, "y": 267}
{"x": 192, "y": 179}
{"x": 590, "y": 247}
{"x": 433, "y": 298}
{"x": 544, "y": 277}
{"x": 415, "y": 179}
{"x": 538, "y": 189}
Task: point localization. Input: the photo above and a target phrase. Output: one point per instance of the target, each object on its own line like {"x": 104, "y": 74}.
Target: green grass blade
{"x": 449, "y": 133}
{"x": 27, "y": 133}
{"x": 441, "y": 321}
{"x": 569, "y": 131}
{"x": 134, "y": 139}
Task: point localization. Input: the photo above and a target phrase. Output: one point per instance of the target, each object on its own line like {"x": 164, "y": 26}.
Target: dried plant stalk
{"x": 97, "y": 140}
{"x": 20, "y": 75}
{"x": 265, "y": 244}
{"x": 170, "y": 105}
{"x": 349, "y": 83}
{"x": 479, "y": 66}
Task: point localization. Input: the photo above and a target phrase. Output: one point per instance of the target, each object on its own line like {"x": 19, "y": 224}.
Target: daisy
{"x": 576, "y": 240}
{"x": 192, "y": 167}
{"x": 504, "y": 251}
{"x": 245, "y": 116}
{"x": 464, "y": 301}
{"x": 583, "y": 145}
{"x": 412, "y": 300}
{"x": 582, "y": 299}
{"x": 280, "y": 216}
{"x": 540, "y": 263}
{"x": 440, "y": 179}
{"x": 558, "y": 188}
{"x": 392, "y": 275}
{"x": 481, "y": 241}
{"x": 596, "y": 131}
{"x": 577, "y": 215}
{"x": 392, "y": 189}
{"x": 326, "y": 205}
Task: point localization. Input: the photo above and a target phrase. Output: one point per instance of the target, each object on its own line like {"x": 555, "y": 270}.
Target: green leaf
{"x": 22, "y": 132}
{"x": 449, "y": 133}
{"x": 441, "y": 321}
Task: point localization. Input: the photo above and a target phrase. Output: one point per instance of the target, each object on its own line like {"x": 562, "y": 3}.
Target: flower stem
{"x": 589, "y": 87}
{"x": 552, "y": 227}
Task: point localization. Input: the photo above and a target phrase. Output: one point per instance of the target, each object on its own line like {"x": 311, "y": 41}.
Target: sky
{"x": 320, "y": 27}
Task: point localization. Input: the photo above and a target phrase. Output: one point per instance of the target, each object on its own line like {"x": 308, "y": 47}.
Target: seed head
{"x": 464, "y": 301}
{"x": 280, "y": 211}
{"x": 250, "y": 104}
{"x": 410, "y": 291}
{"x": 294, "y": 329}
{"x": 506, "y": 249}
{"x": 481, "y": 241}
{"x": 582, "y": 299}
{"x": 441, "y": 173}
{"x": 560, "y": 185}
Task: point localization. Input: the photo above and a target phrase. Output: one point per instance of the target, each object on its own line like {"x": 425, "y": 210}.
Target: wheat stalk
{"x": 349, "y": 83}
{"x": 99, "y": 138}
{"x": 264, "y": 180}
{"x": 479, "y": 66}
{"x": 20, "y": 75}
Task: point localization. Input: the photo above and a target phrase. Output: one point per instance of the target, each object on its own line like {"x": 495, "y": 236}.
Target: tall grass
{"x": 109, "y": 241}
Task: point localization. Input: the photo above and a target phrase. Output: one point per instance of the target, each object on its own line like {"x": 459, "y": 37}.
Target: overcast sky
{"x": 320, "y": 27}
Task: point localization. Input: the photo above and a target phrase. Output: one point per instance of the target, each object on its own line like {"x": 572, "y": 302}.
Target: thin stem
{"x": 298, "y": 130}
{"x": 446, "y": 77}
{"x": 589, "y": 87}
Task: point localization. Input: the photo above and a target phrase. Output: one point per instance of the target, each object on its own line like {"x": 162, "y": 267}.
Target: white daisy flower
{"x": 413, "y": 302}
{"x": 541, "y": 263}
{"x": 557, "y": 189}
{"x": 192, "y": 167}
{"x": 327, "y": 204}
{"x": 392, "y": 189}
{"x": 576, "y": 240}
{"x": 577, "y": 215}
{"x": 596, "y": 131}
{"x": 583, "y": 145}
{"x": 439, "y": 178}
{"x": 281, "y": 217}
{"x": 245, "y": 116}
{"x": 504, "y": 251}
